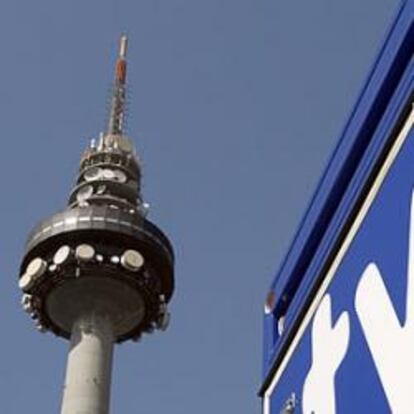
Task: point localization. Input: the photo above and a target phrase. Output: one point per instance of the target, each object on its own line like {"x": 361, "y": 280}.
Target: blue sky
{"x": 235, "y": 108}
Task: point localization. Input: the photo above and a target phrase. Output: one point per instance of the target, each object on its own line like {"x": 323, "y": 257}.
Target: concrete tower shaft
{"x": 99, "y": 272}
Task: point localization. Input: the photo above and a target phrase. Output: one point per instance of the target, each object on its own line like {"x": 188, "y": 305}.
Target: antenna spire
{"x": 118, "y": 99}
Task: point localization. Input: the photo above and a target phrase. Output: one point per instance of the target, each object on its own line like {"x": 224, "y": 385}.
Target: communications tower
{"x": 99, "y": 272}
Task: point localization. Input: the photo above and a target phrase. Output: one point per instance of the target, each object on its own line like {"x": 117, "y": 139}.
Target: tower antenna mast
{"x": 118, "y": 98}
{"x": 99, "y": 272}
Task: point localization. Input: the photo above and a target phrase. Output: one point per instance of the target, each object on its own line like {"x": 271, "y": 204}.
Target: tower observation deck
{"x": 99, "y": 272}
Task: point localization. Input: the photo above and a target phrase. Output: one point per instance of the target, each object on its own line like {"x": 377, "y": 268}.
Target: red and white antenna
{"x": 118, "y": 99}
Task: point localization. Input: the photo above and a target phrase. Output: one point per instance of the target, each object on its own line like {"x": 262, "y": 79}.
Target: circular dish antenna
{"x": 36, "y": 267}
{"x": 120, "y": 176}
{"x": 61, "y": 255}
{"x": 132, "y": 260}
{"x": 108, "y": 174}
{"x": 93, "y": 174}
{"x": 26, "y": 282}
{"x": 101, "y": 189}
{"x": 125, "y": 144}
{"x": 85, "y": 252}
{"x": 84, "y": 193}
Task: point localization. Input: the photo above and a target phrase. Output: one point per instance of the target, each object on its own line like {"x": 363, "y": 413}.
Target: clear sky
{"x": 235, "y": 108}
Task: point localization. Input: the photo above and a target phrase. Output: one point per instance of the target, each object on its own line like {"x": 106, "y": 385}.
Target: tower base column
{"x": 89, "y": 366}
